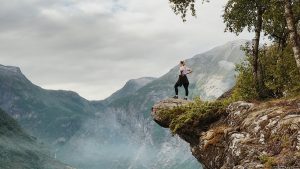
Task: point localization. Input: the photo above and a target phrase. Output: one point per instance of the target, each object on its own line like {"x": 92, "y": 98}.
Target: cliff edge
{"x": 241, "y": 135}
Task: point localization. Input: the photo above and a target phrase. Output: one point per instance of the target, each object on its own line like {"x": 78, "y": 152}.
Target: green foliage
{"x": 268, "y": 161}
{"x": 240, "y": 14}
{"x": 245, "y": 86}
{"x": 275, "y": 24}
{"x": 181, "y": 7}
{"x": 280, "y": 74}
{"x": 196, "y": 114}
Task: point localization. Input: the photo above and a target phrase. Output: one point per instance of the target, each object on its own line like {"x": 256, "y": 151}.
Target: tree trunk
{"x": 256, "y": 68}
{"x": 294, "y": 37}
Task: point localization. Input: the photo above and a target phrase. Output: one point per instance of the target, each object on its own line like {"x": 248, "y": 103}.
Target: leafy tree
{"x": 292, "y": 27}
{"x": 240, "y": 14}
{"x": 280, "y": 74}
{"x": 244, "y": 82}
{"x": 280, "y": 71}
{"x": 275, "y": 25}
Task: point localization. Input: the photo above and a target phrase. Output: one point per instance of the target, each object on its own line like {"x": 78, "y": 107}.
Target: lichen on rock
{"x": 246, "y": 135}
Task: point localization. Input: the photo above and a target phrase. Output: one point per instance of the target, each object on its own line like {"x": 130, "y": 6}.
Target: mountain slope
{"x": 20, "y": 151}
{"x": 35, "y": 107}
{"x": 130, "y": 87}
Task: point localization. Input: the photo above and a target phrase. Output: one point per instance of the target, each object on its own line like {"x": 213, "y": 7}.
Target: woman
{"x": 182, "y": 80}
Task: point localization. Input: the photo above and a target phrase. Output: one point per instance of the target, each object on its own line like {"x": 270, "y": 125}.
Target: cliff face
{"x": 246, "y": 135}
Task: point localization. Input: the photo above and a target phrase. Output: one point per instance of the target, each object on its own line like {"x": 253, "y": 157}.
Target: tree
{"x": 275, "y": 25}
{"x": 240, "y": 14}
{"x": 291, "y": 24}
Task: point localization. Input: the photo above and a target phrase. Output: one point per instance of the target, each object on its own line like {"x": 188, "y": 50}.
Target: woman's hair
{"x": 182, "y": 62}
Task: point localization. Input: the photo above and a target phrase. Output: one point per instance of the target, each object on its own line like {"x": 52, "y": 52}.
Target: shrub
{"x": 244, "y": 87}
{"x": 268, "y": 161}
{"x": 196, "y": 114}
{"x": 280, "y": 75}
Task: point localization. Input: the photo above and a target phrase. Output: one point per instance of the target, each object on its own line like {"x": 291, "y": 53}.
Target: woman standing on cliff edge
{"x": 182, "y": 80}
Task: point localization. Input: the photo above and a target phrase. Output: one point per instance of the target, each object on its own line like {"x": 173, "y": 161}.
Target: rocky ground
{"x": 247, "y": 135}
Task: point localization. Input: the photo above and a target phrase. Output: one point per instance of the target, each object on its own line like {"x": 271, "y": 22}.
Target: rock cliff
{"x": 244, "y": 135}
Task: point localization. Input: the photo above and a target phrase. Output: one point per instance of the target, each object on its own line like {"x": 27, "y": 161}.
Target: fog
{"x": 105, "y": 142}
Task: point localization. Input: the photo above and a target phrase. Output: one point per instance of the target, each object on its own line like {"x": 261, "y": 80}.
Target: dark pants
{"x": 182, "y": 80}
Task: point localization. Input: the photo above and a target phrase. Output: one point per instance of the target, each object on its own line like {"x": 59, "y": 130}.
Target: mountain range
{"x": 117, "y": 132}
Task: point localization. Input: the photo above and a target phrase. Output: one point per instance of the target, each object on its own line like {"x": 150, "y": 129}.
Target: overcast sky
{"x": 94, "y": 46}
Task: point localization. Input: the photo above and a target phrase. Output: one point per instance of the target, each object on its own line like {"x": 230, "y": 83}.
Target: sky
{"x": 93, "y": 47}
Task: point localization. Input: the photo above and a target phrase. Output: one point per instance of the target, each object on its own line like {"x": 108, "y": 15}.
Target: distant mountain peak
{"x": 12, "y": 69}
{"x": 130, "y": 87}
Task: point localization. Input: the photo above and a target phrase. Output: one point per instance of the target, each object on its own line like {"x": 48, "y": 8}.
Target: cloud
{"x": 94, "y": 46}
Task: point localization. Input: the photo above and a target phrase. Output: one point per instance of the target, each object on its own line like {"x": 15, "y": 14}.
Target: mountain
{"x": 117, "y": 132}
{"x": 21, "y": 151}
{"x": 47, "y": 114}
{"x": 130, "y": 87}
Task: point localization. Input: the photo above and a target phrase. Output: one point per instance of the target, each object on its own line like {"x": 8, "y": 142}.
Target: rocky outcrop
{"x": 165, "y": 105}
{"x": 250, "y": 135}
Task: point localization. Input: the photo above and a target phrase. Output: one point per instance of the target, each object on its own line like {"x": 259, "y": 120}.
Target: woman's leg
{"x": 176, "y": 88}
{"x": 186, "y": 87}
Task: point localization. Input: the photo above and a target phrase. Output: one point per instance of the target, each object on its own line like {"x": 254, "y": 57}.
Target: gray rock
{"x": 251, "y": 136}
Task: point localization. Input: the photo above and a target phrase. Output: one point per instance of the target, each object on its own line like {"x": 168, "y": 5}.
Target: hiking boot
{"x": 175, "y": 97}
{"x": 185, "y": 98}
